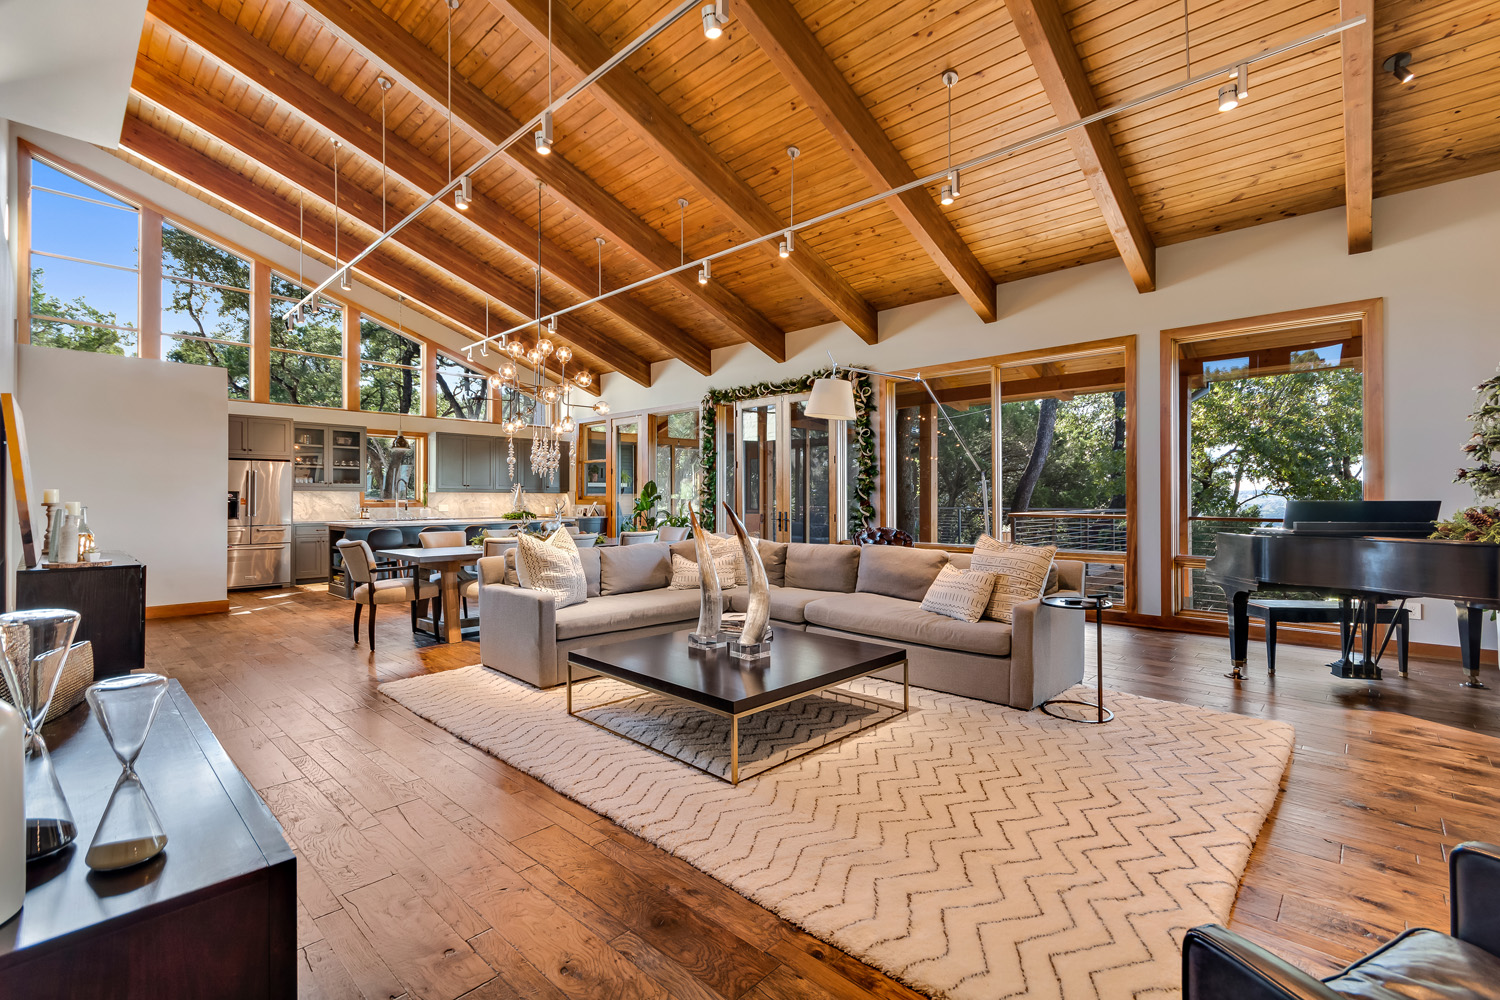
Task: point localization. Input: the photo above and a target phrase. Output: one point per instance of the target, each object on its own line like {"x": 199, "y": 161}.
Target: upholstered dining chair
{"x": 359, "y": 562}
{"x": 1464, "y": 964}
{"x": 437, "y": 538}
{"x": 386, "y": 538}
{"x": 637, "y": 537}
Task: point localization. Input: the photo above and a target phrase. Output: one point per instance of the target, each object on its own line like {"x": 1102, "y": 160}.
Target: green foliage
{"x": 215, "y": 314}
{"x": 385, "y": 389}
{"x": 298, "y": 378}
{"x": 867, "y": 458}
{"x": 1483, "y": 446}
{"x": 1298, "y": 435}
{"x": 47, "y": 333}
{"x": 644, "y": 515}
{"x": 1475, "y": 524}
{"x": 462, "y": 392}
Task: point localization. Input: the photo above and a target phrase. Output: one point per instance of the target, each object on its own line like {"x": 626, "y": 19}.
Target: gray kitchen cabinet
{"x": 478, "y": 464}
{"x": 260, "y": 437}
{"x": 329, "y": 458}
{"x": 450, "y": 463}
{"x": 310, "y": 553}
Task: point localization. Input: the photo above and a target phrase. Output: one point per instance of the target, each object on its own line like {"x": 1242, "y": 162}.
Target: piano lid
{"x": 1391, "y": 518}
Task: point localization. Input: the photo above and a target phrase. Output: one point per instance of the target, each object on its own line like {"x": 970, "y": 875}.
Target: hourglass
{"x": 36, "y": 645}
{"x": 130, "y": 831}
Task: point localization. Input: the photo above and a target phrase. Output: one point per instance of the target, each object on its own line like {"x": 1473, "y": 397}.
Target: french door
{"x": 783, "y": 476}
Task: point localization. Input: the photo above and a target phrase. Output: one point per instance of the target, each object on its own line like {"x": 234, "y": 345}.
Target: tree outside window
{"x": 206, "y": 307}
{"x": 391, "y": 472}
{"x": 390, "y": 370}
{"x": 307, "y": 361}
{"x": 84, "y": 265}
{"x": 462, "y": 392}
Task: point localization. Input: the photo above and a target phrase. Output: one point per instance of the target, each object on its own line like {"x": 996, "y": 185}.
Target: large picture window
{"x": 390, "y": 370}
{"x": 462, "y": 392}
{"x": 1266, "y": 413}
{"x": 84, "y": 265}
{"x": 393, "y": 466}
{"x": 205, "y": 306}
{"x": 677, "y": 459}
{"x": 307, "y": 361}
{"x": 938, "y": 493}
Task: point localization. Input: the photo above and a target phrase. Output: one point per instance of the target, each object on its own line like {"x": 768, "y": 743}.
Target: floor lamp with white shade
{"x": 832, "y": 398}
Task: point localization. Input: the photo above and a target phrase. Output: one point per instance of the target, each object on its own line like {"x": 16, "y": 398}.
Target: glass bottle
{"x": 86, "y": 543}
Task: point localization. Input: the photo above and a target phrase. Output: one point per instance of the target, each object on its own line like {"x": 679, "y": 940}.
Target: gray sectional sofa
{"x": 867, "y": 592}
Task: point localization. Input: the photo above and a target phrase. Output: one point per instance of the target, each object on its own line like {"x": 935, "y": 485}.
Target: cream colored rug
{"x": 969, "y": 850}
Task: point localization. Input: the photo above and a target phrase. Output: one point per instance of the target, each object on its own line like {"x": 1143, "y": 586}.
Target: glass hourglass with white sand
{"x": 36, "y": 645}
{"x": 130, "y": 832}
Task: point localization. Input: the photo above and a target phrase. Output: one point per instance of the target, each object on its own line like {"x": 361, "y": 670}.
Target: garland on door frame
{"x": 867, "y": 459}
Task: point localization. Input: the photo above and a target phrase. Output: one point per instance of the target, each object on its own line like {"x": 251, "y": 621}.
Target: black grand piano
{"x": 1368, "y": 551}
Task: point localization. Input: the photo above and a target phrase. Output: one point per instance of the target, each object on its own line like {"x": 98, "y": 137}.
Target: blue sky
{"x": 90, "y": 231}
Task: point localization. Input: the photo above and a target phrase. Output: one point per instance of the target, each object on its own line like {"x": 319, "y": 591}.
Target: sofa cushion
{"x": 619, "y": 612}
{"x": 786, "y": 602}
{"x": 590, "y": 559}
{"x": 891, "y": 618}
{"x": 960, "y": 593}
{"x": 822, "y": 567}
{"x": 773, "y": 558}
{"x": 898, "y": 571}
{"x": 552, "y": 567}
{"x": 688, "y": 575}
{"x": 626, "y": 569}
{"x": 1023, "y": 572}
{"x": 963, "y": 560}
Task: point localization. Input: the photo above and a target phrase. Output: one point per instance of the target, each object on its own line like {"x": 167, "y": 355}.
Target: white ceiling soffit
{"x": 65, "y": 65}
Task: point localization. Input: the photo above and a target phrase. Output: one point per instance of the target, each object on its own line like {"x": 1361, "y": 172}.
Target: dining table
{"x": 447, "y": 560}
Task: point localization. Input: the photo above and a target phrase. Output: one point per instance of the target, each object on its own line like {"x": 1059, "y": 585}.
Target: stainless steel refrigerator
{"x": 260, "y": 524}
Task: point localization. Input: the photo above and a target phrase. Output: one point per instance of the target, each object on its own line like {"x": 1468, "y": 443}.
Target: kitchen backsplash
{"x": 332, "y": 505}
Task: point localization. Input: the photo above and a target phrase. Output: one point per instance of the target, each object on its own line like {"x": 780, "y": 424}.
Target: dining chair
{"x": 359, "y": 561}
{"x": 637, "y": 537}
{"x": 386, "y": 538}
{"x": 440, "y": 538}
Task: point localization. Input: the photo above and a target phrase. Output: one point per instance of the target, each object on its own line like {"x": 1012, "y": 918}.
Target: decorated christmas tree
{"x": 1480, "y": 523}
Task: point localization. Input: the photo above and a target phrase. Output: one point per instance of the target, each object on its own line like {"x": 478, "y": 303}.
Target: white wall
{"x": 1435, "y": 264}
{"x": 142, "y": 444}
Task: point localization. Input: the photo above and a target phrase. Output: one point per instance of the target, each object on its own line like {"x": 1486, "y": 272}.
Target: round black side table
{"x": 1097, "y": 602}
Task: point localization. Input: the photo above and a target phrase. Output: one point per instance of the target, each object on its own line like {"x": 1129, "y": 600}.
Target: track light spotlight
{"x": 1232, "y": 95}
{"x": 714, "y": 19}
{"x": 704, "y": 273}
{"x": 544, "y": 134}
{"x": 601, "y": 407}
{"x": 785, "y": 247}
{"x": 344, "y": 281}
{"x": 1229, "y": 97}
{"x": 947, "y": 195}
{"x": 1399, "y": 66}
{"x": 464, "y": 193}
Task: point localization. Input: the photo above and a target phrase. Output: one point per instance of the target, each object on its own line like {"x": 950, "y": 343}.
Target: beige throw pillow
{"x": 720, "y": 545}
{"x": 553, "y": 567}
{"x": 686, "y": 574}
{"x": 960, "y": 593}
{"x": 1022, "y": 571}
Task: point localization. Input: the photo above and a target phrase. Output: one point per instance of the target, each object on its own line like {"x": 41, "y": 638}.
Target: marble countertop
{"x": 391, "y": 522}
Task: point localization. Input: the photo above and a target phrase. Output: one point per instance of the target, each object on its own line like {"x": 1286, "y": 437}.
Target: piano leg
{"x": 1470, "y": 633}
{"x": 1239, "y": 633}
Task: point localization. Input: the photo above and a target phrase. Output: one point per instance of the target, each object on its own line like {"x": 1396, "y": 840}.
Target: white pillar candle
{"x": 12, "y": 815}
{"x": 51, "y": 496}
{"x": 74, "y": 507}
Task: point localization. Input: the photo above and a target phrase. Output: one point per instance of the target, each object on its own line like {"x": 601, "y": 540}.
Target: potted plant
{"x": 643, "y": 517}
{"x": 1480, "y": 523}
{"x": 674, "y": 528}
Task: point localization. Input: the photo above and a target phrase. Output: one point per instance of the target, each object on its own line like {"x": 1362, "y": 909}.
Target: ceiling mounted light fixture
{"x": 704, "y": 273}
{"x": 1399, "y": 66}
{"x": 786, "y": 246}
{"x": 950, "y": 190}
{"x": 1231, "y": 95}
{"x": 714, "y": 19}
{"x": 464, "y": 193}
{"x": 544, "y": 134}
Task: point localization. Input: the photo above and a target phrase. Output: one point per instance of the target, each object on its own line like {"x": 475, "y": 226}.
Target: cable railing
{"x": 1100, "y": 530}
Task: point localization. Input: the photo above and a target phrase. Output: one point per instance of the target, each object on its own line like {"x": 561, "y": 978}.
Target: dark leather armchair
{"x": 1218, "y": 964}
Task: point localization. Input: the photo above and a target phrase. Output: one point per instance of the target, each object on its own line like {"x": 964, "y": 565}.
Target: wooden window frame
{"x": 1369, "y": 314}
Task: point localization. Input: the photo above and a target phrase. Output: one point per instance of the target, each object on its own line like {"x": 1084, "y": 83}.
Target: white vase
{"x": 12, "y": 814}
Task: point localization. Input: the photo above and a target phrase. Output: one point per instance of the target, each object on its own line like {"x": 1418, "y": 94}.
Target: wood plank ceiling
{"x": 240, "y": 101}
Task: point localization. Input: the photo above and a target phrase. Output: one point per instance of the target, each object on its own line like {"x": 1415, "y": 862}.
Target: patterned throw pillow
{"x": 1022, "y": 571}
{"x": 686, "y": 574}
{"x": 720, "y": 545}
{"x": 960, "y": 593}
{"x": 553, "y": 567}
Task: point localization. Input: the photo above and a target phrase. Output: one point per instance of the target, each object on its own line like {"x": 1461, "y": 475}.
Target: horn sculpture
{"x": 710, "y": 632}
{"x": 753, "y": 642}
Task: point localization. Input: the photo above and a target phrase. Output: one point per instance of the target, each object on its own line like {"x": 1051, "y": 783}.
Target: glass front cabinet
{"x": 328, "y": 458}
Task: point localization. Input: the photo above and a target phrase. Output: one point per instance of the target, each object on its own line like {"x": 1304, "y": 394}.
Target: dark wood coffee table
{"x": 800, "y": 664}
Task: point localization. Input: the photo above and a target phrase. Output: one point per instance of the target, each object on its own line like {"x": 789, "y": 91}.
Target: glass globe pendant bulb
{"x": 549, "y": 394}
{"x": 565, "y": 425}
{"x": 546, "y": 347}
{"x": 584, "y": 379}
{"x": 564, "y": 354}
{"x": 601, "y": 407}
{"x": 534, "y": 356}
{"x": 508, "y": 370}
{"x": 515, "y": 348}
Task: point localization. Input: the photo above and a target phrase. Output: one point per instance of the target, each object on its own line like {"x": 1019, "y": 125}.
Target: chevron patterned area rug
{"x": 968, "y": 849}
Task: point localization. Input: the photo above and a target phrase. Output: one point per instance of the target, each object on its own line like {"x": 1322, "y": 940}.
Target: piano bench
{"x": 1329, "y": 612}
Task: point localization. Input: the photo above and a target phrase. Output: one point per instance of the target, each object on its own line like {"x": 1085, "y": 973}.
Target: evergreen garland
{"x": 867, "y": 458}
{"x": 1481, "y": 523}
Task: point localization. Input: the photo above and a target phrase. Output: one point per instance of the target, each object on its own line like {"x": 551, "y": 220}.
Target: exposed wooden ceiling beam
{"x": 797, "y": 55}
{"x": 650, "y": 118}
{"x": 1049, "y": 44}
{"x": 225, "y": 184}
{"x": 382, "y": 40}
{"x": 298, "y": 91}
{"x": 1358, "y": 49}
{"x": 314, "y": 178}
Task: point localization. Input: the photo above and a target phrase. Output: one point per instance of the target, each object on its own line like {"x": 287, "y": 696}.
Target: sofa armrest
{"x": 491, "y": 569}
{"x": 1070, "y": 575}
{"x": 1218, "y": 964}
{"x": 1046, "y": 651}
{"x": 1474, "y": 884}
{"x": 518, "y": 633}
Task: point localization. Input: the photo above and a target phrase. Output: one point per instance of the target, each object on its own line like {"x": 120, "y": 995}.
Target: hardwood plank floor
{"x": 428, "y": 869}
